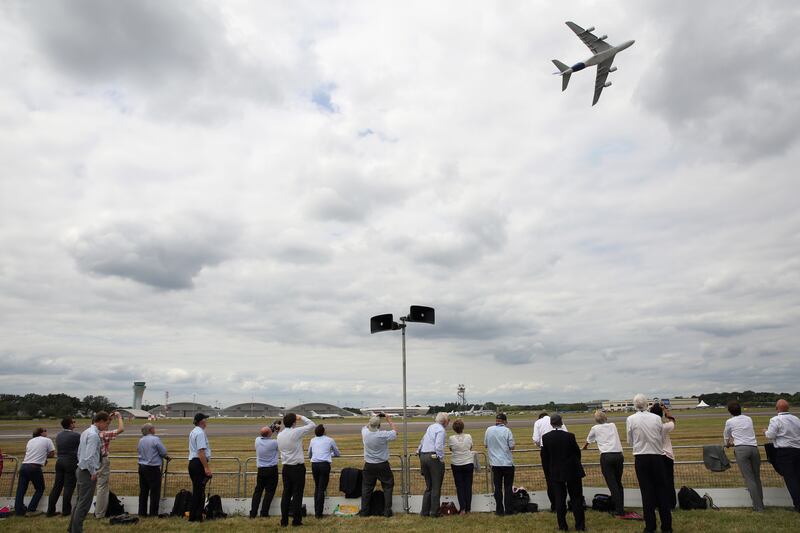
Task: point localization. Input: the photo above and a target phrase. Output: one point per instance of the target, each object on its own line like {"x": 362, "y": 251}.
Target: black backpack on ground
{"x": 123, "y": 520}
{"x": 689, "y": 499}
{"x": 520, "y": 500}
{"x": 350, "y": 482}
{"x": 377, "y": 503}
{"x": 183, "y": 503}
{"x": 214, "y": 508}
{"x": 115, "y": 507}
{"x": 603, "y": 503}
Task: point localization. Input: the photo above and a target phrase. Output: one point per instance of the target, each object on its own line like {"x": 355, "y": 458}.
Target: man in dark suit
{"x": 563, "y": 456}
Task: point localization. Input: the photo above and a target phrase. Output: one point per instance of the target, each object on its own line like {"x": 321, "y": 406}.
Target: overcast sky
{"x": 215, "y": 197}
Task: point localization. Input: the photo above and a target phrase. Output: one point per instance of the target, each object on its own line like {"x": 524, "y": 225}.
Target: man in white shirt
{"x": 612, "y": 462}
{"x": 199, "y": 466}
{"x": 431, "y": 463}
{"x": 784, "y": 432}
{"x": 645, "y": 434}
{"x": 376, "y": 463}
{"x": 290, "y": 444}
{"x": 267, "y": 478}
{"x": 321, "y": 450}
{"x": 541, "y": 428}
{"x": 740, "y": 434}
{"x": 37, "y": 451}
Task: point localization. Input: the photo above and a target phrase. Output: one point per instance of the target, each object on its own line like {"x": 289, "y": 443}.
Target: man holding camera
{"x": 267, "y": 463}
{"x": 290, "y": 444}
{"x": 376, "y": 462}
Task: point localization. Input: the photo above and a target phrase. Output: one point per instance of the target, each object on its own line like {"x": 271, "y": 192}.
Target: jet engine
{"x": 612, "y": 69}
{"x": 589, "y": 30}
{"x": 603, "y": 38}
{"x": 607, "y": 84}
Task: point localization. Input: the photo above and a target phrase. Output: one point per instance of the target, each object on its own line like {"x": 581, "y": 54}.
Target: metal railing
{"x": 232, "y": 476}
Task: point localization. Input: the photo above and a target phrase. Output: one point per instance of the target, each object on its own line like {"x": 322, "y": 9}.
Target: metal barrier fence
{"x": 235, "y": 479}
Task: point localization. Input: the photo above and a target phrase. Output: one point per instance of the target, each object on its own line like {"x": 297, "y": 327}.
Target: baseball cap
{"x": 198, "y": 417}
{"x": 374, "y": 423}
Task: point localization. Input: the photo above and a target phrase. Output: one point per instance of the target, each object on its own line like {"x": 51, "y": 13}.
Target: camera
{"x": 382, "y": 415}
{"x": 275, "y": 426}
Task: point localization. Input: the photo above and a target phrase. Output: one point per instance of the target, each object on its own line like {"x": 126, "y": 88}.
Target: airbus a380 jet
{"x": 603, "y": 56}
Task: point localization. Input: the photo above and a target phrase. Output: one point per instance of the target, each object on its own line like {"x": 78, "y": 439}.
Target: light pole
{"x": 378, "y": 323}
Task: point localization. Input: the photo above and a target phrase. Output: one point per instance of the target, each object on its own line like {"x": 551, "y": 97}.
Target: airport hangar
{"x": 246, "y": 410}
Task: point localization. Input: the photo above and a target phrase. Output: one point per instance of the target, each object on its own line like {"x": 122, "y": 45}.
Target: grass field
{"x": 729, "y": 521}
{"x": 230, "y": 450}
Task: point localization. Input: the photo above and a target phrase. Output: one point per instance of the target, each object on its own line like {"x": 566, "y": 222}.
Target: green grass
{"x": 733, "y": 521}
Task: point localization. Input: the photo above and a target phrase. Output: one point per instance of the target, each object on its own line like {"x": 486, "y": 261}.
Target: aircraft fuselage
{"x": 598, "y": 58}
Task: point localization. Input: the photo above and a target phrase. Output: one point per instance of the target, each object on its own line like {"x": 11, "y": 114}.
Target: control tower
{"x": 138, "y": 392}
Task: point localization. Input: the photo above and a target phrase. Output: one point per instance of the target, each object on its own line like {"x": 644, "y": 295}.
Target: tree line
{"x": 52, "y": 405}
{"x": 749, "y": 398}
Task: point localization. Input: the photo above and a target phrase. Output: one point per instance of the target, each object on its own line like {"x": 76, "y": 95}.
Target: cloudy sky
{"x": 216, "y": 197}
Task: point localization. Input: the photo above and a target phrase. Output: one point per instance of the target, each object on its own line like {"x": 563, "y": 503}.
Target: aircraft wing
{"x": 589, "y": 39}
{"x": 600, "y": 80}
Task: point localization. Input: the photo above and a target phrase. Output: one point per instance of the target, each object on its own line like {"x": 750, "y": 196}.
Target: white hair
{"x": 600, "y": 417}
{"x": 640, "y": 402}
{"x": 442, "y": 418}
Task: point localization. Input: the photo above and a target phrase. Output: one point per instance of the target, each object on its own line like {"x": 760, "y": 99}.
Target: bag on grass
{"x": 448, "y": 509}
{"x": 603, "y": 503}
{"x": 688, "y": 499}
{"x": 520, "y": 500}
{"x": 123, "y": 519}
{"x": 214, "y": 508}
{"x": 343, "y": 509}
{"x": 350, "y": 482}
{"x": 115, "y": 507}
{"x": 377, "y": 503}
{"x": 183, "y": 503}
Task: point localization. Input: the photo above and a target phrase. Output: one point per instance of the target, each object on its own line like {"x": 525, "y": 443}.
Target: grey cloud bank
{"x": 216, "y": 198}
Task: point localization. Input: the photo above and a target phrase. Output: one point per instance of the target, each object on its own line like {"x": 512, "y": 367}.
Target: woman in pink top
{"x": 669, "y": 458}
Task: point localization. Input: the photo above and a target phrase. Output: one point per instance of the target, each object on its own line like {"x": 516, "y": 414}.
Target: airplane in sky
{"x": 603, "y": 56}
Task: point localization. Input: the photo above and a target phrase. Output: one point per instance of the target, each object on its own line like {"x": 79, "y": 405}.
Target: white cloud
{"x": 217, "y": 199}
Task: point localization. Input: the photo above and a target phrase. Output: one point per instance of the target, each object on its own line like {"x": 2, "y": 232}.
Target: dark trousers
{"x": 322, "y": 474}
{"x": 546, "y": 472}
{"x": 432, "y": 470}
{"x": 29, "y": 473}
{"x": 266, "y": 482}
{"x": 294, "y": 481}
{"x": 374, "y": 472}
{"x": 85, "y": 489}
{"x": 462, "y": 477}
{"x": 198, "y": 476}
{"x": 66, "y": 480}
{"x": 149, "y": 486}
{"x": 788, "y": 462}
{"x": 669, "y": 474}
{"x": 653, "y": 486}
{"x": 574, "y": 488}
{"x": 503, "y": 477}
{"x": 612, "y": 464}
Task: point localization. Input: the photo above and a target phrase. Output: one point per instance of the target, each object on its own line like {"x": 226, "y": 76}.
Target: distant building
{"x": 675, "y": 404}
{"x": 252, "y": 410}
{"x": 138, "y": 393}
{"x": 181, "y": 410}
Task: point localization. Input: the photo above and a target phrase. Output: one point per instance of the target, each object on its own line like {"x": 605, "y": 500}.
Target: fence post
{"x": 13, "y": 473}
{"x": 164, "y": 479}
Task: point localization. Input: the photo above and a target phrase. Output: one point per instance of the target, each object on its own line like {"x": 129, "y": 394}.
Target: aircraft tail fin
{"x": 565, "y": 72}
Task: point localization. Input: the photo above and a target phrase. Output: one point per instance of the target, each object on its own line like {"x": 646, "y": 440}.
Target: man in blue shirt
{"x": 199, "y": 469}
{"x": 267, "y": 480}
{"x": 431, "y": 463}
{"x": 89, "y": 451}
{"x": 151, "y": 455}
{"x": 321, "y": 450}
{"x": 499, "y": 442}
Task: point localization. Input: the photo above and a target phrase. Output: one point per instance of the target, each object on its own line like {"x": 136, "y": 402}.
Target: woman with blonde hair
{"x": 463, "y": 465}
